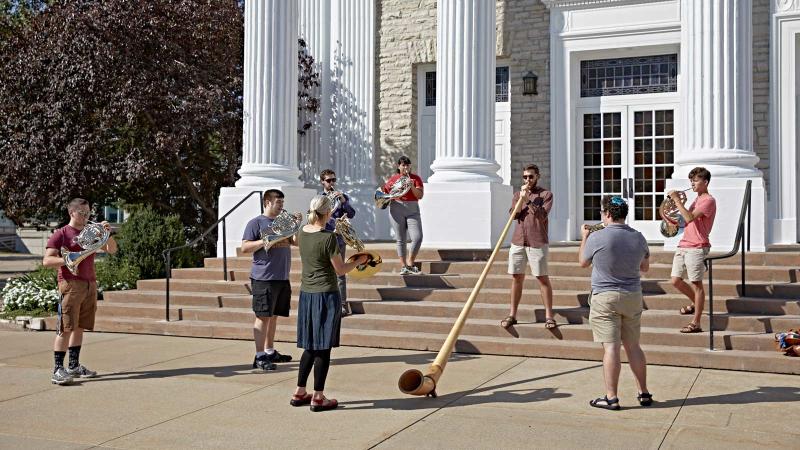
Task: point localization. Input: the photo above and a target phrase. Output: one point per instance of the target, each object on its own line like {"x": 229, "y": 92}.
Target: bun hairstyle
{"x": 319, "y": 206}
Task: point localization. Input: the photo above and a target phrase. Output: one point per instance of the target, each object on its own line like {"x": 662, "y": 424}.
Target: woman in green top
{"x": 319, "y": 314}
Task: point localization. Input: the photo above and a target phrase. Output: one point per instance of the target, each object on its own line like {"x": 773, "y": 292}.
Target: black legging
{"x": 321, "y": 361}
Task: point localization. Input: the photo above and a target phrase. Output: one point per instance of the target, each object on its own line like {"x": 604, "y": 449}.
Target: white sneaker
{"x": 61, "y": 377}
{"x": 414, "y": 270}
{"x": 405, "y": 271}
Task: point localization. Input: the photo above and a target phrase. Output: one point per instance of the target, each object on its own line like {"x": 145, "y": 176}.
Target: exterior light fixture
{"x": 529, "y": 84}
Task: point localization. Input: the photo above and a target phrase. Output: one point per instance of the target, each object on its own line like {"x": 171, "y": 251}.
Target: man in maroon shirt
{"x": 529, "y": 245}
{"x": 78, "y": 303}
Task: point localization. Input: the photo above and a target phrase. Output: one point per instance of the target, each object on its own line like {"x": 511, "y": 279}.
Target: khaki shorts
{"x": 519, "y": 256}
{"x": 78, "y": 305}
{"x": 615, "y": 316}
{"x": 689, "y": 260}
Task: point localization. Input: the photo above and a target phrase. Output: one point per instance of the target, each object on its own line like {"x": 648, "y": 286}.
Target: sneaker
{"x": 405, "y": 271}
{"x": 345, "y": 310}
{"x": 265, "y": 364}
{"x": 81, "y": 372}
{"x": 414, "y": 270}
{"x": 61, "y": 377}
{"x": 279, "y": 358}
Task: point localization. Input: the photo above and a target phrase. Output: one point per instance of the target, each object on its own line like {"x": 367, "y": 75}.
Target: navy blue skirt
{"x": 319, "y": 320}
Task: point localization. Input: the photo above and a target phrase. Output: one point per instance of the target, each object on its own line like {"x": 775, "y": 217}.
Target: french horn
{"x": 345, "y": 230}
{"x": 670, "y": 214}
{"x": 595, "y": 227}
{"x": 284, "y": 226}
{"x": 91, "y": 239}
{"x": 399, "y": 188}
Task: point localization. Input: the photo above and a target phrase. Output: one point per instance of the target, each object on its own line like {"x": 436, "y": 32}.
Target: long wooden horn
{"x": 413, "y": 381}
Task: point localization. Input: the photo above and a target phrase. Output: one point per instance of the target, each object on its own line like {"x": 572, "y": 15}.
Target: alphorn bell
{"x": 414, "y": 382}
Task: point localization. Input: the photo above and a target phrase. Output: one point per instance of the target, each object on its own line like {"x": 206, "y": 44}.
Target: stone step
{"x": 755, "y": 361}
{"x": 500, "y": 270}
{"x": 561, "y": 298}
{"x": 660, "y": 328}
{"x": 722, "y": 288}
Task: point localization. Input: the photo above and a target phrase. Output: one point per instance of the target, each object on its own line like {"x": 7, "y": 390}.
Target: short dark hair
{"x": 324, "y": 174}
{"x": 75, "y": 203}
{"x": 532, "y": 167}
{"x": 701, "y": 172}
{"x": 271, "y": 194}
{"x": 403, "y": 160}
{"x": 615, "y": 205}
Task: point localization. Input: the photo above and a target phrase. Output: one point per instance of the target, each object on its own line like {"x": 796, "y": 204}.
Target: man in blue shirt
{"x": 269, "y": 279}
{"x": 342, "y": 208}
{"x": 617, "y": 254}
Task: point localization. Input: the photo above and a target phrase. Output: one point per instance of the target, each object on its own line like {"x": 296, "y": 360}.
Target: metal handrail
{"x": 168, "y": 252}
{"x": 739, "y": 244}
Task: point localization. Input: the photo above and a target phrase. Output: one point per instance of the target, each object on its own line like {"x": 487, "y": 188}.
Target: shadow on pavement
{"x": 764, "y": 394}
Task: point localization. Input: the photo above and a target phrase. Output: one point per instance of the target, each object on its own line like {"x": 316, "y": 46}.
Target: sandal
{"x": 688, "y": 309}
{"x": 300, "y": 400}
{"x": 691, "y": 327}
{"x": 508, "y": 322}
{"x": 325, "y": 405}
{"x": 645, "y": 398}
{"x": 549, "y": 324}
{"x": 606, "y": 403}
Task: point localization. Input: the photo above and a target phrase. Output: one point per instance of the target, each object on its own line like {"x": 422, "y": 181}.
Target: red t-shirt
{"x": 695, "y": 235}
{"x": 409, "y": 197}
{"x": 65, "y": 237}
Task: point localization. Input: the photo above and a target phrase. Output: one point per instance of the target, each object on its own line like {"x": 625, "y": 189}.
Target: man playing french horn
{"x": 78, "y": 303}
{"x": 269, "y": 278}
{"x": 341, "y": 208}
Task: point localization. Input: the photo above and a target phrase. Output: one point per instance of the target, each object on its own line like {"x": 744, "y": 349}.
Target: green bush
{"x": 143, "y": 238}
{"x": 115, "y": 274}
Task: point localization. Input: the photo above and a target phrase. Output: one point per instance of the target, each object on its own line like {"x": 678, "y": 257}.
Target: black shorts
{"x": 271, "y": 298}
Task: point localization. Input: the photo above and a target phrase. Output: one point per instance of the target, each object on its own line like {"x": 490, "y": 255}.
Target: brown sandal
{"x": 508, "y": 322}
{"x": 688, "y": 309}
{"x": 300, "y": 400}
{"x": 550, "y": 323}
{"x": 691, "y": 328}
{"x": 326, "y": 404}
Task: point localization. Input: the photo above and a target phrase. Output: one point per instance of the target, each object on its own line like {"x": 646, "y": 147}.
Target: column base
{"x": 729, "y": 194}
{"x": 465, "y": 215}
{"x": 296, "y": 200}
{"x": 784, "y": 231}
{"x": 259, "y": 175}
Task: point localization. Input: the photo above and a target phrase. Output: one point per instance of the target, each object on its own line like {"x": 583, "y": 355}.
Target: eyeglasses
{"x": 526, "y": 177}
{"x": 83, "y": 213}
{"x": 330, "y": 180}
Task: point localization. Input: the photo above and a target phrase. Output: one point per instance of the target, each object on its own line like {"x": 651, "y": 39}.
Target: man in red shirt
{"x": 529, "y": 245}
{"x": 694, "y": 246}
{"x": 78, "y": 303}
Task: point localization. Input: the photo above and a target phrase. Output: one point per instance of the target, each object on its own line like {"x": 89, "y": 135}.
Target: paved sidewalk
{"x": 170, "y": 392}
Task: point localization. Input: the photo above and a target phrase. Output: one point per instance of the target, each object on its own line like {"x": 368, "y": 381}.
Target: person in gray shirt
{"x": 617, "y": 254}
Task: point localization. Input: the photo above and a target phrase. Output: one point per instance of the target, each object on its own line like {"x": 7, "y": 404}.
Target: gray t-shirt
{"x": 616, "y": 253}
{"x": 272, "y": 265}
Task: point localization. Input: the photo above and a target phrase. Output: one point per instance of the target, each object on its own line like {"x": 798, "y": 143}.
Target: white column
{"x": 269, "y": 146}
{"x": 717, "y": 91}
{"x": 314, "y": 147}
{"x": 465, "y": 181}
{"x": 717, "y": 101}
{"x": 465, "y": 79}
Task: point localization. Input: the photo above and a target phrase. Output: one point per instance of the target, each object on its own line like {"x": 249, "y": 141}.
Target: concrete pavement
{"x": 171, "y": 392}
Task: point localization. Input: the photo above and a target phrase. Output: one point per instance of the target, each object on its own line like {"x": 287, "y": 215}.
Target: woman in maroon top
{"x": 405, "y": 216}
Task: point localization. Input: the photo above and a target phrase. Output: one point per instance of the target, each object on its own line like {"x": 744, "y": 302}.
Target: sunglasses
{"x": 526, "y": 177}
{"x": 330, "y": 180}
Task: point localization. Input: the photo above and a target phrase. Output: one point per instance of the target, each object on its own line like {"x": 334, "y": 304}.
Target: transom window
{"x": 626, "y": 76}
{"x": 501, "y": 86}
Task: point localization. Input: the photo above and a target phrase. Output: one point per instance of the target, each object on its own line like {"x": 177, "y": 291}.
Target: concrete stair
{"x": 417, "y": 312}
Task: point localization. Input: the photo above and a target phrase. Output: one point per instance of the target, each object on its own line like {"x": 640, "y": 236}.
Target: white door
{"x": 426, "y": 121}
{"x": 626, "y": 150}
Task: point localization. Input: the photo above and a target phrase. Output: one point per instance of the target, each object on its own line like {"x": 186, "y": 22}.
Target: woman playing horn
{"x": 319, "y": 314}
{"x": 404, "y": 212}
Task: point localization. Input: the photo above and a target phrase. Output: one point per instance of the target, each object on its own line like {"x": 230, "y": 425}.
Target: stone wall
{"x": 407, "y": 38}
{"x": 761, "y": 19}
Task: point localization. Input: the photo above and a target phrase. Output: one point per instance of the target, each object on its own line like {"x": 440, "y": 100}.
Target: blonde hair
{"x": 319, "y": 206}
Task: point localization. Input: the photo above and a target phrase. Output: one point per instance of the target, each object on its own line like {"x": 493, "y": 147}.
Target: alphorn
{"x": 413, "y": 381}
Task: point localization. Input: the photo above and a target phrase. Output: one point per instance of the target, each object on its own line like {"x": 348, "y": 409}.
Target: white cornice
{"x": 779, "y": 6}
{"x": 584, "y": 3}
